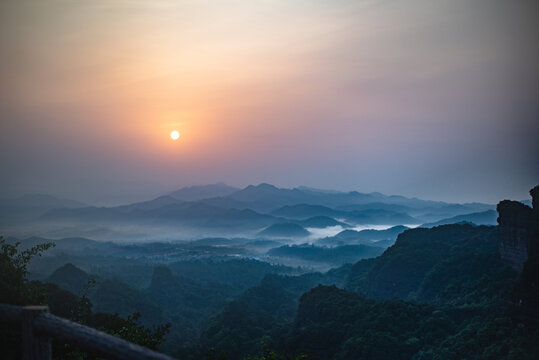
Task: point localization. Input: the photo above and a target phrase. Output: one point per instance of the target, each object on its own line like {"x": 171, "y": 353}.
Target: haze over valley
{"x": 192, "y": 261}
{"x": 288, "y": 216}
{"x": 269, "y": 180}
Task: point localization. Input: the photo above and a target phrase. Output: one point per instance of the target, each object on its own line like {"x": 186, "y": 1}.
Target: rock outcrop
{"x": 518, "y": 233}
{"x": 518, "y": 230}
{"x": 515, "y": 229}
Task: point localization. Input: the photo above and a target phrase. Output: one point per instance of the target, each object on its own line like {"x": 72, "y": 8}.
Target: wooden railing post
{"x": 39, "y": 326}
{"x": 34, "y": 345}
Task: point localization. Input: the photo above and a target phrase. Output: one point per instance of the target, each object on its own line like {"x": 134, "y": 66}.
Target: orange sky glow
{"x": 261, "y": 91}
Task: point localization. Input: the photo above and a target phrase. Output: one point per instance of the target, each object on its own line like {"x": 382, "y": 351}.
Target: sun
{"x": 174, "y": 135}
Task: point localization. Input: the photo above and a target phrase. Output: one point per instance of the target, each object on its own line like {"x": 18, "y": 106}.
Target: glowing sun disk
{"x": 174, "y": 135}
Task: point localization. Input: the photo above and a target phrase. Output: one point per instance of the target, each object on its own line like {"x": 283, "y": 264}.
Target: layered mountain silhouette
{"x": 321, "y": 222}
{"x": 479, "y": 218}
{"x": 284, "y": 230}
{"x": 242, "y": 211}
{"x": 195, "y": 193}
{"x": 29, "y": 207}
{"x": 381, "y": 238}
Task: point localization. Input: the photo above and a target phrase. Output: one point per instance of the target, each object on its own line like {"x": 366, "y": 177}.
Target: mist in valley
{"x": 275, "y": 180}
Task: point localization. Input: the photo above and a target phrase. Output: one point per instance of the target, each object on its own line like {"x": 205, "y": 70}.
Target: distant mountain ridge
{"x": 241, "y": 212}
{"x": 267, "y": 197}
{"x": 321, "y": 222}
{"x": 201, "y": 192}
{"x": 284, "y": 230}
{"x": 31, "y": 206}
{"x": 373, "y": 237}
{"x": 479, "y": 218}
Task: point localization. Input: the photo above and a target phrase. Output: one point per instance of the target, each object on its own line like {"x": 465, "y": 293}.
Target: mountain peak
{"x": 201, "y": 192}
{"x": 265, "y": 186}
{"x": 70, "y": 278}
{"x": 284, "y": 230}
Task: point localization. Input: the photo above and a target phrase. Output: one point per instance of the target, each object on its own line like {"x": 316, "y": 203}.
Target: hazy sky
{"x": 427, "y": 98}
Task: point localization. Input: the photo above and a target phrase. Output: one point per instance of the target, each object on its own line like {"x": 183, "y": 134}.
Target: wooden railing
{"x": 39, "y": 326}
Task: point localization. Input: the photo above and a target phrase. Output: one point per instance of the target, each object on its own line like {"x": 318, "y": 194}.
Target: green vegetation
{"x": 336, "y": 324}
{"x": 402, "y": 269}
{"x": 17, "y": 290}
{"x": 329, "y": 255}
{"x": 455, "y": 303}
{"x": 284, "y": 230}
{"x": 440, "y": 293}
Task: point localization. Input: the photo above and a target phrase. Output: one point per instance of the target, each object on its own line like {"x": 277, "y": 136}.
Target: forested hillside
{"x": 436, "y": 293}
{"x": 440, "y": 293}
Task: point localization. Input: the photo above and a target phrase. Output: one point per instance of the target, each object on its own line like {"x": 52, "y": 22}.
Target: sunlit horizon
{"x": 429, "y": 99}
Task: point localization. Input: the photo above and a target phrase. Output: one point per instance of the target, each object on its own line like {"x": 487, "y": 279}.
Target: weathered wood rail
{"x": 39, "y": 326}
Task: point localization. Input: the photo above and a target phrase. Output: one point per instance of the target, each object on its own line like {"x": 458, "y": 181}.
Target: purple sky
{"x": 427, "y": 98}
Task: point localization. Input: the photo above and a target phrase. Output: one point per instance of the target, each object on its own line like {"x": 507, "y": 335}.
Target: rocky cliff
{"x": 518, "y": 230}
{"x": 518, "y": 234}
{"x": 515, "y": 228}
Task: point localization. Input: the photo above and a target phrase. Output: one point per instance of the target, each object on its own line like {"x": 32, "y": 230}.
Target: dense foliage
{"x": 455, "y": 303}
{"x": 184, "y": 293}
{"x": 336, "y": 324}
{"x": 331, "y": 255}
{"x": 440, "y": 293}
{"x": 17, "y": 290}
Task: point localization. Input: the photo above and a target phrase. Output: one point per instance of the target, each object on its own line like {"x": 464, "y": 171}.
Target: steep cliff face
{"x": 526, "y": 292}
{"x": 535, "y": 199}
{"x": 518, "y": 231}
{"x": 534, "y": 244}
{"x": 515, "y": 228}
